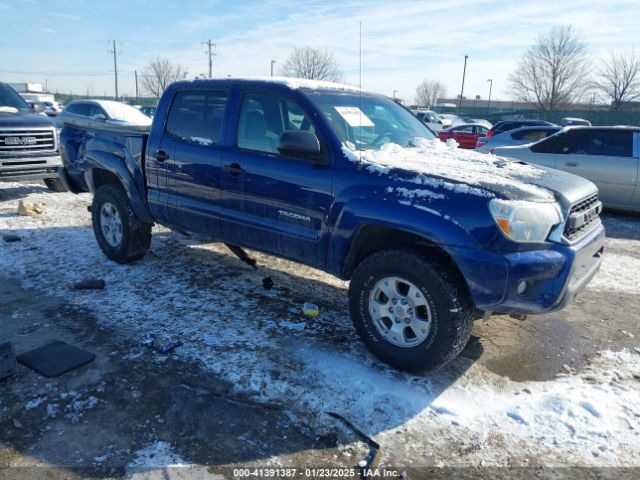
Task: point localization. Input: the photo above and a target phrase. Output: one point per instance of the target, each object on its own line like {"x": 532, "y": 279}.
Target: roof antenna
{"x": 360, "y": 86}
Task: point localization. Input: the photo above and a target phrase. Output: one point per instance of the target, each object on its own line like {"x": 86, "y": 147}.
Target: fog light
{"x": 522, "y": 287}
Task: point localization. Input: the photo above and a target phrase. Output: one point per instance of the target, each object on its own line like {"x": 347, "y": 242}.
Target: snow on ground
{"x": 253, "y": 338}
{"x": 618, "y": 273}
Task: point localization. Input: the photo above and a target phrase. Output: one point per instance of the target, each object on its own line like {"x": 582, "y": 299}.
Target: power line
{"x": 211, "y": 54}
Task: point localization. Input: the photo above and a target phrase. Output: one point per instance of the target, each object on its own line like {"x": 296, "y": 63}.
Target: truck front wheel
{"x": 410, "y": 310}
{"x": 122, "y": 236}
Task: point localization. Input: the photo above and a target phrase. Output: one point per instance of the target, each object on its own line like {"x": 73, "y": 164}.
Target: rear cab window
{"x": 196, "y": 117}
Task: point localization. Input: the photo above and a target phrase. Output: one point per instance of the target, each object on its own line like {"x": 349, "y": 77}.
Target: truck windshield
{"x": 367, "y": 122}
{"x": 9, "y": 99}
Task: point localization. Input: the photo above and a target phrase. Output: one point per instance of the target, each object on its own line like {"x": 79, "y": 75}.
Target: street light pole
{"x": 464, "y": 73}
{"x": 272, "y": 63}
{"x": 490, "y": 87}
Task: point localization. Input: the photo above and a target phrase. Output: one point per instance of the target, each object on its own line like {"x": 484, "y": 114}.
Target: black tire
{"x": 55, "y": 184}
{"x": 135, "y": 234}
{"x": 445, "y": 294}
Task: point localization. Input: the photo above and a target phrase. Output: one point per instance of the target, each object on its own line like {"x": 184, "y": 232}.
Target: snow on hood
{"x": 458, "y": 170}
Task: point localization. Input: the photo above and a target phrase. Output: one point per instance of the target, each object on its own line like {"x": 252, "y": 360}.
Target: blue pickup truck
{"x": 430, "y": 237}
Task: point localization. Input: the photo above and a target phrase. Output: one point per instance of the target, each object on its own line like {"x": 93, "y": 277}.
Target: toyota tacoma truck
{"x": 28, "y": 142}
{"x": 430, "y": 237}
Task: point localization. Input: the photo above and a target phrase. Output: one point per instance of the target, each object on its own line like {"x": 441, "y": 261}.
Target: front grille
{"x": 583, "y": 216}
{"x": 20, "y": 142}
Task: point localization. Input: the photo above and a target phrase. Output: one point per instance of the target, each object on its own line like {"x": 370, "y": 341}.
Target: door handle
{"x": 571, "y": 164}
{"x": 234, "y": 169}
{"x": 160, "y": 155}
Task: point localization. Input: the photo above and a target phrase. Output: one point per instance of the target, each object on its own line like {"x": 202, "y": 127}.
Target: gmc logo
{"x": 20, "y": 141}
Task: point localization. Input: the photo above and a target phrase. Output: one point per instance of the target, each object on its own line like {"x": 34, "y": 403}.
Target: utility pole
{"x": 490, "y": 87}
{"x": 211, "y": 54}
{"x": 272, "y": 63}
{"x": 394, "y": 94}
{"x": 135, "y": 72}
{"x": 464, "y": 72}
{"x": 115, "y": 66}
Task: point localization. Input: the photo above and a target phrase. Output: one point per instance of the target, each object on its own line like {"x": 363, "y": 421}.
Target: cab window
{"x": 196, "y": 117}
{"x": 263, "y": 118}
{"x": 604, "y": 143}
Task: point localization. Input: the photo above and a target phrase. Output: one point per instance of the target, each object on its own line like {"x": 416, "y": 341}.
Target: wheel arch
{"x": 108, "y": 168}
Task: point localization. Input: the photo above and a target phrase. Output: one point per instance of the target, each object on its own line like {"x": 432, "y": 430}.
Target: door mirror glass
{"x": 298, "y": 143}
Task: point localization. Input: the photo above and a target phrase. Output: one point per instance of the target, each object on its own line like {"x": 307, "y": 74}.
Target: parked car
{"x": 429, "y": 118}
{"x": 466, "y": 134}
{"x": 517, "y": 136}
{"x": 506, "y": 125}
{"x": 96, "y": 113}
{"x": 565, "y": 122}
{"x": 607, "y": 156}
{"x": 352, "y": 183}
{"x": 28, "y": 142}
{"x": 148, "y": 111}
{"x": 482, "y": 121}
{"x": 450, "y": 120}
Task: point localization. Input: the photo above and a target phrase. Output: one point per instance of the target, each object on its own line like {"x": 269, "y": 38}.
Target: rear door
{"x": 193, "y": 174}
{"x": 270, "y": 201}
{"x": 606, "y": 157}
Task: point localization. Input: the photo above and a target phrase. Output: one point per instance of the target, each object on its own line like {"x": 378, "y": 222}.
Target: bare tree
{"x": 553, "y": 72}
{"x": 429, "y": 91}
{"x": 619, "y": 78}
{"x": 159, "y": 74}
{"x": 311, "y": 63}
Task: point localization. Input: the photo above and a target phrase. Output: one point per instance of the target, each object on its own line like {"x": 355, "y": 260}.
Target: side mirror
{"x": 100, "y": 117}
{"x": 37, "y": 108}
{"x": 298, "y": 143}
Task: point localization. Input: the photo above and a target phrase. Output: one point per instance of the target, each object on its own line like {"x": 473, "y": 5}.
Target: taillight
{"x": 490, "y": 133}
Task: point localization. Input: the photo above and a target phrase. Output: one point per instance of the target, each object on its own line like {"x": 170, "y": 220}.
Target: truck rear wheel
{"x": 122, "y": 236}
{"x": 55, "y": 184}
{"x": 411, "y": 311}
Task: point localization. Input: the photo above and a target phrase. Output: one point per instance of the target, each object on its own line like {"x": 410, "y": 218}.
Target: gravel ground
{"x": 254, "y": 379}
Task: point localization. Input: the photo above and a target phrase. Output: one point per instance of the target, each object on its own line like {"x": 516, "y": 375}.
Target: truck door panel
{"x": 194, "y": 173}
{"x": 269, "y": 201}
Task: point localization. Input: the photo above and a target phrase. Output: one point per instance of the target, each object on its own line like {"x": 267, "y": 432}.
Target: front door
{"x": 270, "y": 201}
{"x": 606, "y": 158}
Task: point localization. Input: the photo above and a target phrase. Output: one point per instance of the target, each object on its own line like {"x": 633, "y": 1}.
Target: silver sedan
{"x": 517, "y": 136}
{"x": 608, "y": 156}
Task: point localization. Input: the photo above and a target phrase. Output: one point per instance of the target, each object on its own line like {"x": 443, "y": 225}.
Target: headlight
{"x": 525, "y": 221}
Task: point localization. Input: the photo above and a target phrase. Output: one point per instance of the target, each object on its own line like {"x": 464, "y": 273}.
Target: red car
{"x": 466, "y": 134}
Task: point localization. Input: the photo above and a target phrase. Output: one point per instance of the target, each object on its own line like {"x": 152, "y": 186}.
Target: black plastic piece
{"x": 242, "y": 255}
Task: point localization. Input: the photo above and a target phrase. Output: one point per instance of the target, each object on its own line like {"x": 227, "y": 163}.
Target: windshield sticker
{"x": 354, "y": 117}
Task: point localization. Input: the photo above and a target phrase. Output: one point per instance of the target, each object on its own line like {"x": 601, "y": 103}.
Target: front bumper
{"x": 553, "y": 277}
{"x": 29, "y": 168}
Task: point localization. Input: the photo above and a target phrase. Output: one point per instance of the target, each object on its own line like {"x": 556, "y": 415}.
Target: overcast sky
{"x": 66, "y": 42}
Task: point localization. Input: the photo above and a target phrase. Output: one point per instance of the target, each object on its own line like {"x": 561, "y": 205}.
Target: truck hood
{"x": 443, "y": 166}
{"x": 24, "y": 120}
